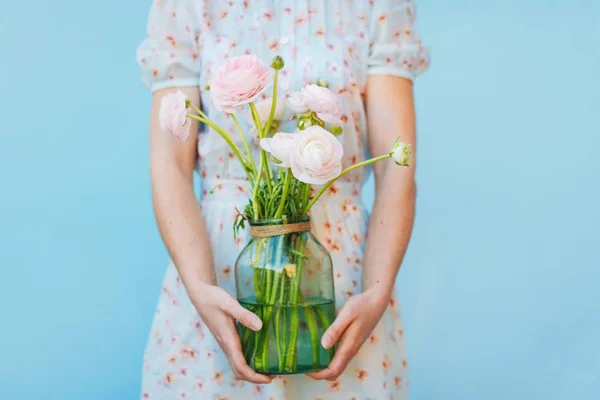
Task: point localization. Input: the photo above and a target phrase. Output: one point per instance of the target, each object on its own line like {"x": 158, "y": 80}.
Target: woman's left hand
{"x": 353, "y": 325}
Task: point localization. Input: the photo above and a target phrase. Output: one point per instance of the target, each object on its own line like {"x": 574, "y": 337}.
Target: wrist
{"x": 379, "y": 297}
{"x": 201, "y": 293}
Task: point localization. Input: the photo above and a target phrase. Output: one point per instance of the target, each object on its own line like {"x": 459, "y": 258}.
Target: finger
{"x": 345, "y": 351}
{"x": 240, "y": 366}
{"x": 335, "y": 331}
{"x": 248, "y": 374}
{"x": 245, "y": 317}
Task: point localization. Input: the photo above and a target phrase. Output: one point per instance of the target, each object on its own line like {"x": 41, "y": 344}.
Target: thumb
{"x": 337, "y": 328}
{"x": 245, "y": 317}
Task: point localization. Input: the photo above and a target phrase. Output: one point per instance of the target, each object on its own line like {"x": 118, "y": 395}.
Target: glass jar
{"x": 287, "y": 280}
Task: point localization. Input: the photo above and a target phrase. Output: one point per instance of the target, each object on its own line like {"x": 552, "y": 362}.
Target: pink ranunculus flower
{"x": 317, "y": 157}
{"x": 281, "y": 146}
{"x": 263, "y": 108}
{"x": 324, "y": 102}
{"x": 172, "y": 115}
{"x": 238, "y": 82}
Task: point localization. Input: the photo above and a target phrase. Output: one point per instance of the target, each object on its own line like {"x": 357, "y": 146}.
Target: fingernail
{"x": 326, "y": 342}
{"x": 256, "y": 324}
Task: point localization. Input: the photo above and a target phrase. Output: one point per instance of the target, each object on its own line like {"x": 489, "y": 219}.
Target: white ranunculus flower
{"x": 317, "y": 157}
{"x": 281, "y": 146}
{"x": 295, "y": 103}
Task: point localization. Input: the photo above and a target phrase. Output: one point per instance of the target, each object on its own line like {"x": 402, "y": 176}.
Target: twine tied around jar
{"x": 266, "y": 231}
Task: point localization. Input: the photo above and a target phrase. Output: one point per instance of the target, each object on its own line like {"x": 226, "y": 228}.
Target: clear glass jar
{"x": 287, "y": 280}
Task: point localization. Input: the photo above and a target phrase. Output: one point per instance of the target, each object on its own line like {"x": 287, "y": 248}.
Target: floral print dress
{"x": 342, "y": 41}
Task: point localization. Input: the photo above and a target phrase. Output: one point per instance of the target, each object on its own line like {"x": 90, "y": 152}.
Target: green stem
{"x": 291, "y": 357}
{"x": 256, "y": 120}
{"x": 250, "y": 157}
{"x": 273, "y": 104}
{"x": 259, "y": 292}
{"x": 257, "y": 361}
{"x": 284, "y": 329}
{"x": 263, "y": 154}
{"x": 262, "y": 157}
{"x": 257, "y": 188}
{"x": 199, "y": 111}
{"x": 278, "y": 338}
{"x": 313, "y": 329}
{"x": 269, "y": 308}
{"x": 226, "y": 137}
{"x": 284, "y": 195}
{"x": 268, "y": 172}
{"x": 311, "y": 322}
{"x": 275, "y": 288}
{"x": 257, "y": 288}
{"x": 270, "y": 283}
{"x": 325, "y": 321}
{"x": 280, "y": 330}
{"x": 275, "y": 192}
{"x": 353, "y": 167}
{"x": 205, "y": 119}
{"x": 306, "y": 195}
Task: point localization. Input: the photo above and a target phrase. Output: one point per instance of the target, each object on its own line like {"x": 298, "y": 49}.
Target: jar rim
{"x": 278, "y": 221}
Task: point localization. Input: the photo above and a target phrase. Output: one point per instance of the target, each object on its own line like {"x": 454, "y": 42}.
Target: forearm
{"x": 390, "y": 229}
{"x": 182, "y": 227}
{"x": 390, "y": 107}
{"x": 178, "y": 214}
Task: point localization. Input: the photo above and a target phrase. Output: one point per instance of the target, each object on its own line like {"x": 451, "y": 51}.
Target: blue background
{"x": 500, "y": 286}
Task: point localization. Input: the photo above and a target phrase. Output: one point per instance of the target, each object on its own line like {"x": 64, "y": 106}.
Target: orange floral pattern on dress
{"x": 334, "y": 386}
{"x": 186, "y": 41}
{"x": 362, "y": 374}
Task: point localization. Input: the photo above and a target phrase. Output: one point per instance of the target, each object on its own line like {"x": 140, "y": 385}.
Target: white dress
{"x": 342, "y": 41}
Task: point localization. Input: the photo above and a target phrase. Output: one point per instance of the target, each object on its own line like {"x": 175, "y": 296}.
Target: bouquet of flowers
{"x": 284, "y": 274}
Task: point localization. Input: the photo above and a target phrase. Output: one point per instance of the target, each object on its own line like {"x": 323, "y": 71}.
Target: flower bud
{"x": 207, "y": 87}
{"x": 335, "y": 130}
{"x": 401, "y": 153}
{"x": 322, "y": 82}
{"x": 277, "y": 63}
{"x": 304, "y": 122}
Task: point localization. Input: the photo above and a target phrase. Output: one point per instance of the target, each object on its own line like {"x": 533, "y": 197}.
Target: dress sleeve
{"x": 395, "y": 44}
{"x": 169, "y": 56}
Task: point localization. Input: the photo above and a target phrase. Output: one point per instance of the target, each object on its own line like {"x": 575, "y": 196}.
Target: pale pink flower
{"x": 281, "y": 146}
{"x": 295, "y": 103}
{"x": 263, "y": 108}
{"x": 324, "y": 102}
{"x": 172, "y": 115}
{"x": 238, "y": 82}
{"x": 317, "y": 157}
{"x": 317, "y": 99}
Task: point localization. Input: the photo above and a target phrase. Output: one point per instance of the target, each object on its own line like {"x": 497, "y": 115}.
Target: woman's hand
{"x": 353, "y": 325}
{"x": 218, "y": 310}
{"x": 183, "y": 229}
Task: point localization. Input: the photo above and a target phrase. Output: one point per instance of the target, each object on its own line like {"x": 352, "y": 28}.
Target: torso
{"x": 317, "y": 39}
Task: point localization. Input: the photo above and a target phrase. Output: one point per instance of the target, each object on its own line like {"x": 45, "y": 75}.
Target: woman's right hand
{"x": 219, "y": 310}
